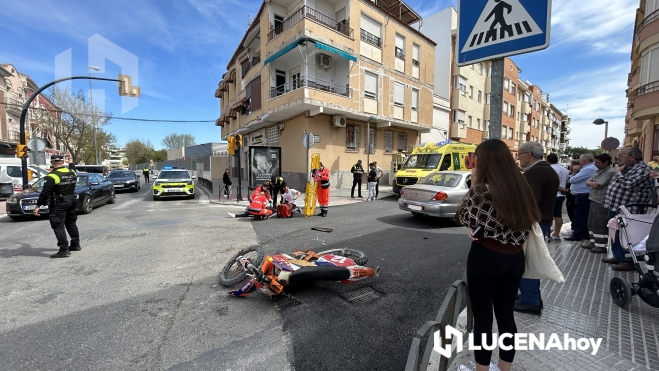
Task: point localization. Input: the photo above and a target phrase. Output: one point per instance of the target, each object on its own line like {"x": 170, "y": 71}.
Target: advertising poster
{"x": 264, "y": 163}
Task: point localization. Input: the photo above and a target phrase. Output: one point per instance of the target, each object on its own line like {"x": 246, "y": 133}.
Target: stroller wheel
{"x": 620, "y": 292}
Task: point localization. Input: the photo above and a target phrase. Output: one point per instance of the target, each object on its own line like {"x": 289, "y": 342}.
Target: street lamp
{"x": 91, "y": 101}
{"x": 606, "y": 126}
{"x": 368, "y": 138}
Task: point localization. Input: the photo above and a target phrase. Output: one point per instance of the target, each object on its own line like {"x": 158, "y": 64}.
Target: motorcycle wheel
{"x": 359, "y": 257}
{"x": 233, "y": 273}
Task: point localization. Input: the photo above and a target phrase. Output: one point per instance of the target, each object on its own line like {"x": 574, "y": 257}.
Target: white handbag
{"x": 539, "y": 264}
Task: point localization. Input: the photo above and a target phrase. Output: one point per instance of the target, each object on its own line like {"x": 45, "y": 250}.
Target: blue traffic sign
{"x": 489, "y": 29}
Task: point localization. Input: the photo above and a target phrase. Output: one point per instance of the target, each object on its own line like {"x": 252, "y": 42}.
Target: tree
{"x": 576, "y": 152}
{"x": 139, "y": 152}
{"x": 178, "y": 141}
{"x": 159, "y": 155}
{"x": 73, "y": 124}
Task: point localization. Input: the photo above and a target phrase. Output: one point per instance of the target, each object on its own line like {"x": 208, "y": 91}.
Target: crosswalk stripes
{"x": 491, "y": 35}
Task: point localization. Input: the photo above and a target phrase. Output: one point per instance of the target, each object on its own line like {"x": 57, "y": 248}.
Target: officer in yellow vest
{"x": 146, "y": 174}
{"x": 59, "y": 194}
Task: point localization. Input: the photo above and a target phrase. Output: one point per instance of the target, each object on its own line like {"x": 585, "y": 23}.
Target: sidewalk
{"x": 338, "y": 197}
{"x": 582, "y": 307}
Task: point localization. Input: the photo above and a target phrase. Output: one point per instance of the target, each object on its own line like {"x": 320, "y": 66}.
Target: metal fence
{"x": 206, "y": 183}
{"x": 422, "y": 344}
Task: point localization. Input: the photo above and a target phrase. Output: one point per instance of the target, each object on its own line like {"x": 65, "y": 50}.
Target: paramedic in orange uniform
{"x": 321, "y": 176}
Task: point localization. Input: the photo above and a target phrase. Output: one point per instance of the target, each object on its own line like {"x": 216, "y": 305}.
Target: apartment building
{"x": 642, "y": 118}
{"x": 526, "y": 116}
{"x": 329, "y": 67}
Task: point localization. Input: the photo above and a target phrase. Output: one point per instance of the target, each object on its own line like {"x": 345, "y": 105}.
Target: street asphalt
{"x": 143, "y": 294}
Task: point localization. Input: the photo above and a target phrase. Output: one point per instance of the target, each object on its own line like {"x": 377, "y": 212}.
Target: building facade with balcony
{"x": 329, "y": 67}
{"x": 642, "y": 118}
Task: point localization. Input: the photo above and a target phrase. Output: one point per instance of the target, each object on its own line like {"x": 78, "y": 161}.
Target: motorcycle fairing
{"x": 244, "y": 291}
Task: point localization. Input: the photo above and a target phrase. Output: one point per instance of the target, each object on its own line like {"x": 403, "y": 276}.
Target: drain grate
{"x": 361, "y": 296}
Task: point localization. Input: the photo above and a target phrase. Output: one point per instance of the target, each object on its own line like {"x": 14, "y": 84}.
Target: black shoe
{"x": 572, "y": 238}
{"x": 61, "y": 254}
{"x": 76, "y": 248}
{"x": 527, "y": 308}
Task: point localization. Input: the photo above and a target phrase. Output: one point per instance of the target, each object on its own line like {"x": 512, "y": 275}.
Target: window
{"x": 352, "y": 138}
{"x": 506, "y": 83}
{"x": 525, "y": 117}
{"x": 399, "y": 94}
{"x": 504, "y": 132}
{"x": 371, "y": 86}
{"x": 510, "y": 133}
{"x": 388, "y": 141}
{"x": 15, "y": 171}
{"x": 415, "y": 55}
{"x": 279, "y": 20}
{"x": 512, "y": 111}
{"x": 478, "y": 124}
{"x": 649, "y": 67}
{"x": 400, "y": 47}
{"x": 371, "y": 31}
{"x": 471, "y": 92}
{"x": 480, "y": 68}
{"x": 245, "y": 66}
{"x": 651, "y": 6}
{"x": 512, "y": 88}
{"x": 459, "y": 116}
{"x": 460, "y": 83}
{"x": 505, "y": 108}
{"x": 273, "y": 135}
{"x": 489, "y": 71}
{"x": 469, "y": 121}
{"x": 487, "y": 125}
{"x": 369, "y": 137}
{"x": 402, "y": 142}
{"x": 487, "y": 98}
{"x": 415, "y": 99}
{"x": 527, "y": 98}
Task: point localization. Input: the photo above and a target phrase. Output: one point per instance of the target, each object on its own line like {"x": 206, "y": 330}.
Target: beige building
{"x": 328, "y": 67}
{"x": 642, "y": 119}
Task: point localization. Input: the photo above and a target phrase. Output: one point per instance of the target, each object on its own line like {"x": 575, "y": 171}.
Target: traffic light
{"x": 232, "y": 146}
{"x": 238, "y": 140}
{"x": 126, "y": 88}
{"x": 21, "y": 150}
{"x": 27, "y": 137}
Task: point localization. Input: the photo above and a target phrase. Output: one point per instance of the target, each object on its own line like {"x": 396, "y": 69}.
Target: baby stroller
{"x": 639, "y": 234}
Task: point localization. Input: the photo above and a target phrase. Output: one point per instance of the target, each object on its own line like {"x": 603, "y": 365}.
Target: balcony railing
{"x": 648, "y": 19}
{"x": 14, "y": 105}
{"x": 400, "y": 54}
{"x": 648, "y": 88}
{"x": 14, "y": 136}
{"x": 255, "y": 61}
{"x": 341, "y": 27}
{"x": 312, "y": 83}
{"x": 415, "y": 63}
{"x": 369, "y": 38}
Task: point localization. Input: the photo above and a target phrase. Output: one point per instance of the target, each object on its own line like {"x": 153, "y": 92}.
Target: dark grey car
{"x": 124, "y": 180}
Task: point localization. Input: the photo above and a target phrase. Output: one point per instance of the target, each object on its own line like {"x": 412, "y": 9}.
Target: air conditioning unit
{"x": 339, "y": 121}
{"x": 323, "y": 61}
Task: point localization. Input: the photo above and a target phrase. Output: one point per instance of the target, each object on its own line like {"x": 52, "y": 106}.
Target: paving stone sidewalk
{"x": 582, "y": 307}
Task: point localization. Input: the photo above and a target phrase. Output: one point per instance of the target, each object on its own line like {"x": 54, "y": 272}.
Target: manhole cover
{"x": 360, "y": 296}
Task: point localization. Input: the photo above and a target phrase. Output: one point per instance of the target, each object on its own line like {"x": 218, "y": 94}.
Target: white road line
{"x": 127, "y": 204}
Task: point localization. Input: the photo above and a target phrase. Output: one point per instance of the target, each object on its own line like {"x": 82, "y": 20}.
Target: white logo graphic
{"x": 501, "y": 21}
{"x": 521, "y": 341}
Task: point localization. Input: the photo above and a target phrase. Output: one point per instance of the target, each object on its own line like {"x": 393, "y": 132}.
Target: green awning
{"x": 345, "y": 55}
{"x": 283, "y": 51}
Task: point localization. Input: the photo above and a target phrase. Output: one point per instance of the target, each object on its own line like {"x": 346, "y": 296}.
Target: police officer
{"x": 357, "y": 173}
{"x": 146, "y": 174}
{"x": 277, "y": 184}
{"x": 58, "y": 193}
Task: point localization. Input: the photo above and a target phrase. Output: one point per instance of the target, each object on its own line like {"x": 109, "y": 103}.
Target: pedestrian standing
{"x": 563, "y": 175}
{"x": 380, "y": 173}
{"x": 569, "y": 198}
{"x": 357, "y": 173}
{"x": 632, "y": 184}
{"x": 226, "y": 179}
{"x": 321, "y": 175}
{"x": 544, "y": 184}
{"x": 581, "y": 193}
{"x": 58, "y": 193}
{"x": 598, "y": 216}
{"x": 146, "y": 174}
{"x": 500, "y": 211}
{"x": 372, "y": 181}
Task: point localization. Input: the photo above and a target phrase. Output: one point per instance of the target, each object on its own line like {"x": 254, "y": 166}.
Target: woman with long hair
{"x": 500, "y": 211}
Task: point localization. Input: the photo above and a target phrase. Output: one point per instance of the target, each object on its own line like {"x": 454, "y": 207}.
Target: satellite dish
{"x": 36, "y": 144}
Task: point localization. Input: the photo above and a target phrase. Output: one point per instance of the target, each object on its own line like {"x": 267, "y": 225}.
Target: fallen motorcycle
{"x": 280, "y": 270}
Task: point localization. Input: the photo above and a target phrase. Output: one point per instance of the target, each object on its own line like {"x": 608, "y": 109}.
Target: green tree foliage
{"x": 138, "y": 151}
{"x": 178, "y": 141}
{"x": 159, "y": 155}
{"x": 576, "y": 152}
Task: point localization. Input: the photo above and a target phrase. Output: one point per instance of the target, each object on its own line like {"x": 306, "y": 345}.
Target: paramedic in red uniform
{"x": 321, "y": 175}
{"x": 258, "y": 207}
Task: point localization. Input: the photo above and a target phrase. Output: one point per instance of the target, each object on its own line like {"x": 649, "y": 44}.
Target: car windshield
{"x": 80, "y": 182}
{"x": 422, "y": 161}
{"x": 176, "y": 174}
{"x": 442, "y": 179}
{"x": 120, "y": 174}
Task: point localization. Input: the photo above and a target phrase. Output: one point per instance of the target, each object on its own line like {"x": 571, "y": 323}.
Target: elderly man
{"x": 563, "y": 174}
{"x": 544, "y": 183}
{"x": 581, "y": 193}
{"x": 598, "y": 216}
{"x": 631, "y": 184}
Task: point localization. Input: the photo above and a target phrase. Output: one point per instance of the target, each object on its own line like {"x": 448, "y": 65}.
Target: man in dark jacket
{"x": 146, "y": 172}
{"x": 357, "y": 173}
{"x": 277, "y": 185}
{"x": 544, "y": 184}
{"x": 226, "y": 179}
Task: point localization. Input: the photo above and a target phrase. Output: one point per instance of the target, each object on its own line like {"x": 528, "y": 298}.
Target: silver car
{"x": 438, "y": 194}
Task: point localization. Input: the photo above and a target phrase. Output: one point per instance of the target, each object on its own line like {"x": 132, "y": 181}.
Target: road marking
{"x": 127, "y": 204}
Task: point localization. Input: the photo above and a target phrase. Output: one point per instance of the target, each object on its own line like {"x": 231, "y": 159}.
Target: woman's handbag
{"x": 539, "y": 264}
{"x": 324, "y": 184}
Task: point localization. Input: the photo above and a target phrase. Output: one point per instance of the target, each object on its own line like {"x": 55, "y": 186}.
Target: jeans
{"x": 371, "y": 191}
{"x": 530, "y": 288}
{"x": 581, "y": 210}
{"x": 356, "y": 182}
{"x": 616, "y": 246}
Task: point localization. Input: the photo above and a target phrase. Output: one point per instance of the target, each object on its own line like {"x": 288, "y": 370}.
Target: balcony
{"x": 14, "y": 136}
{"x": 526, "y": 108}
{"x": 309, "y": 13}
{"x": 646, "y": 103}
{"x": 311, "y": 83}
{"x": 14, "y": 106}
{"x": 458, "y": 130}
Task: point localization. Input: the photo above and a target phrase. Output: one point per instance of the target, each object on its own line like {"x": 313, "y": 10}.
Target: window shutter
{"x": 415, "y": 99}
{"x": 461, "y": 115}
{"x": 400, "y": 42}
{"x": 371, "y": 26}
{"x": 645, "y": 68}
{"x": 371, "y": 83}
{"x": 415, "y": 52}
{"x": 256, "y": 93}
{"x": 399, "y": 94}
{"x": 654, "y": 66}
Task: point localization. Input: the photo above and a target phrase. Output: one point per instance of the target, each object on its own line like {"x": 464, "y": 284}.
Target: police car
{"x": 173, "y": 182}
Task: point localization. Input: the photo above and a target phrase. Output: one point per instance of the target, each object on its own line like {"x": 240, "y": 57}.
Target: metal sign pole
{"x": 239, "y": 196}
{"x": 496, "y": 99}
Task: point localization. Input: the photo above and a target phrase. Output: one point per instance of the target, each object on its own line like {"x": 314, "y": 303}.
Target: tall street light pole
{"x": 606, "y": 126}
{"x": 91, "y": 101}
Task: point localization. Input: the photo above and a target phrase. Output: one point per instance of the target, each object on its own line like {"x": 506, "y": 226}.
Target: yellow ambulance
{"x": 433, "y": 157}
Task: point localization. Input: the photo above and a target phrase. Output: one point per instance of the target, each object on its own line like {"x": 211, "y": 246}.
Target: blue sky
{"x": 183, "y": 47}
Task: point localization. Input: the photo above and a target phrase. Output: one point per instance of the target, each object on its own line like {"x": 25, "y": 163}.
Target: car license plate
{"x": 118, "y": 186}
{"x": 175, "y": 190}
{"x": 29, "y": 207}
{"x": 414, "y": 207}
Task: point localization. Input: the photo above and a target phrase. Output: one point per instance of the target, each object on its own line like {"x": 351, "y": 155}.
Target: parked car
{"x": 437, "y": 195}
{"x": 124, "y": 180}
{"x": 97, "y": 169}
{"x": 91, "y": 190}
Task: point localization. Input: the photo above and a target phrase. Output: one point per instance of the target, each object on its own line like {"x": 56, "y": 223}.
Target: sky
{"x": 182, "y": 49}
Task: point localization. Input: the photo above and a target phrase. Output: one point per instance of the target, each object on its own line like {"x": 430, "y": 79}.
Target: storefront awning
{"x": 343, "y": 54}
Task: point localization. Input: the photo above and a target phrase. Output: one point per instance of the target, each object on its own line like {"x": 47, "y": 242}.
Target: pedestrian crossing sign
{"x": 489, "y": 29}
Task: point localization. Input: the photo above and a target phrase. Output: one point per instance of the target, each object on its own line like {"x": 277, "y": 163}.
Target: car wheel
{"x": 456, "y": 221}
{"x": 156, "y": 198}
{"x": 113, "y": 198}
{"x": 87, "y": 205}
{"x": 192, "y": 196}
{"x": 418, "y": 215}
